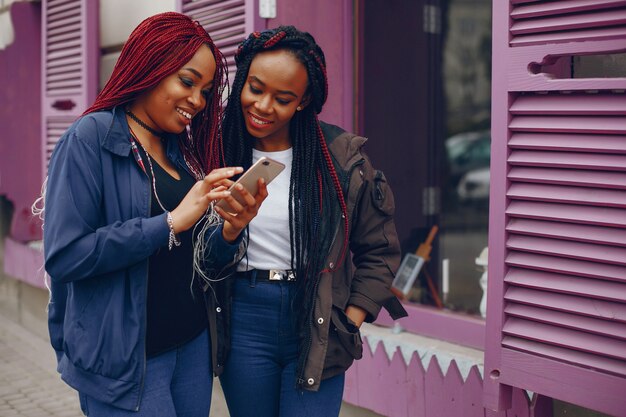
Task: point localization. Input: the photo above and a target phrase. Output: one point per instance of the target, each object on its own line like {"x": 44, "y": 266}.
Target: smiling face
{"x": 276, "y": 85}
{"x": 170, "y": 106}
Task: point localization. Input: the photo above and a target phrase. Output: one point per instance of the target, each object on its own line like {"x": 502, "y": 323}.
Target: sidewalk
{"x": 29, "y": 383}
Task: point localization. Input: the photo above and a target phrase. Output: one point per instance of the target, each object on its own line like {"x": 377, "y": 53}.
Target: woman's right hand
{"x": 242, "y": 213}
{"x": 197, "y": 200}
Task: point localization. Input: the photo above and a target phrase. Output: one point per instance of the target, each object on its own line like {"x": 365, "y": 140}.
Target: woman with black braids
{"x": 296, "y": 301}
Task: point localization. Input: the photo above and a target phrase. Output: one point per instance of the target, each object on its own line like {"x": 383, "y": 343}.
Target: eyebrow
{"x": 288, "y": 92}
{"x": 197, "y": 74}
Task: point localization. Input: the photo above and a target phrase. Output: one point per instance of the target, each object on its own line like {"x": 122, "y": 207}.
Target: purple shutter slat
{"x": 227, "y": 21}
{"x": 568, "y": 22}
{"x": 566, "y": 284}
{"x": 604, "y": 216}
{"x": 568, "y": 160}
{"x": 569, "y": 231}
{"x": 560, "y": 124}
{"x": 602, "y": 328}
{"x": 601, "y": 104}
{"x": 600, "y": 309}
{"x": 569, "y": 36}
{"x": 569, "y": 142}
{"x": 566, "y": 266}
{"x": 569, "y": 177}
{"x": 600, "y": 363}
{"x": 574, "y": 195}
{"x": 575, "y": 250}
{"x": 563, "y": 6}
{"x": 558, "y": 336}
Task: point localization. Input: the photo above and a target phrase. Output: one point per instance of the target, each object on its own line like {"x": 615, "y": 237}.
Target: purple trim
{"x": 348, "y": 65}
{"x": 24, "y": 263}
{"x": 440, "y": 324}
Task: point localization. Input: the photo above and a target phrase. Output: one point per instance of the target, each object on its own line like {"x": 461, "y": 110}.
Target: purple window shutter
{"x": 556, "y": 321}
{"x": 70, "y": 56}
{"x": 227, "y": 21}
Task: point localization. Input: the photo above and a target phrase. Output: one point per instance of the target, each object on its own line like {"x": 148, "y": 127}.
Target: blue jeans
{"x": 178, "y": 383}
{"x": 259, "y": 376}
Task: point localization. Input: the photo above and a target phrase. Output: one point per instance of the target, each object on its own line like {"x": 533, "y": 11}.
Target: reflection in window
{"x": 466, "y": 71}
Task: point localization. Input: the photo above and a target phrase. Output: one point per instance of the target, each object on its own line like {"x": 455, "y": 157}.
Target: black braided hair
{"x": 316, "y": 202}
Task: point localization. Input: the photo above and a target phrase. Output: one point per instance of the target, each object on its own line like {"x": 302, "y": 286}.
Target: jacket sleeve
{"x": 220, "y": 254}
{"x": 77, "y": 245}
{"x": 375, "y": 246}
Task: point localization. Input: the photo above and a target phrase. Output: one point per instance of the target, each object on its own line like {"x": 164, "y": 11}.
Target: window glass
{"x": 466, "y": 70}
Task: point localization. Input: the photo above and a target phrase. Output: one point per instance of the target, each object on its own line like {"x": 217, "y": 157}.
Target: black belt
{"x": 269, "y": 275}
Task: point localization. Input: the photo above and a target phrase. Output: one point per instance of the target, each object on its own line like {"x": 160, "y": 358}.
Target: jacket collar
{"x": 345, "y": 147}
{"x": 117, "y": 138}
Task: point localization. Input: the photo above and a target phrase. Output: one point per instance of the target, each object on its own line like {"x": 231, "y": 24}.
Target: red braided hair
{"x": 157, "y": 48}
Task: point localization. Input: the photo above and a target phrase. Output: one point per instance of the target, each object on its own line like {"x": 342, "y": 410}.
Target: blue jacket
{"x": 97, "y": 239}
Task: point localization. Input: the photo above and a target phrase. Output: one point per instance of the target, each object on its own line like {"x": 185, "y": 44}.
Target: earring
{"x": 299, "y": 108}
{"x": 189, "y": 136}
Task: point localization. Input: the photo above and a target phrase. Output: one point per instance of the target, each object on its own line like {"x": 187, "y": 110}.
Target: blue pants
{"x": 259, "y": 376}
{"x": 178, "y": 383}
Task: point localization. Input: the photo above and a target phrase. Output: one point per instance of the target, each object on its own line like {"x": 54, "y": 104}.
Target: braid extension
{"x": 316, "y": 200}
{"x": 157, "y": 48}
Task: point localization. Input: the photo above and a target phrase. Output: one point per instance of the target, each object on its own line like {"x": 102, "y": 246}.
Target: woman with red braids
{"x": 297, "y": 303}
{"x": 127, "y": 183}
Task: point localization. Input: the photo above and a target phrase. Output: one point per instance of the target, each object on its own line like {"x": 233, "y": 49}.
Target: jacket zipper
{"x": 305, "y": 353}
{"x": 145, "y": 315}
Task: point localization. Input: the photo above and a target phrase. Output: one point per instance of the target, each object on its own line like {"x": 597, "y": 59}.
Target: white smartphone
{"x": 265, "y": 168}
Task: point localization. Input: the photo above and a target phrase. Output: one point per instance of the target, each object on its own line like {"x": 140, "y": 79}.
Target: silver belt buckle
{"x": 281, "y": 275}
{"x": 276, "y": 274}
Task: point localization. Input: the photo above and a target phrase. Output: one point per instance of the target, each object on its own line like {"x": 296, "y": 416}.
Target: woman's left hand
{"x": 242, "y": 214}
{"x": 356, "y": 314}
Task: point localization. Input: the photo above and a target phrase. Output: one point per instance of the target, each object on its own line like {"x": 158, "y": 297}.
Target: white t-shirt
{"x": 269, "y": 245}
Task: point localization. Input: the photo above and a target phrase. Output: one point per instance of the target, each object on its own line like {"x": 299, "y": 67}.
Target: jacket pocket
{"x": 382, "y": 195}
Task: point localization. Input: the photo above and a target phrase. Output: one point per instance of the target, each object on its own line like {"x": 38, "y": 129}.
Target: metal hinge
{"x": 267, "y": 9}
{"x": 432, "y": 19}
{"x": 431, "y": 201}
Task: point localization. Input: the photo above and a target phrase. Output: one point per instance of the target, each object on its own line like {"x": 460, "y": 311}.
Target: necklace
{"x": 139, "y": 159}
{"x": 141, "y": 123}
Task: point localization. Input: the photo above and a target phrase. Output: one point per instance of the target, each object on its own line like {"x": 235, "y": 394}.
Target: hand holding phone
{"x": 265, "y": 168}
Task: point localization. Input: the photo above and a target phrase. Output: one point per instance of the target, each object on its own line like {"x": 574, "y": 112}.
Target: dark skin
{"x": 275, "y": 90}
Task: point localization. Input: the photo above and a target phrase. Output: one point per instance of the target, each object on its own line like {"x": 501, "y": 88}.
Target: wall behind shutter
{"x": 70, "y": 66}
{"x": 227, "y": 21}
{"x": 556, "y": 321}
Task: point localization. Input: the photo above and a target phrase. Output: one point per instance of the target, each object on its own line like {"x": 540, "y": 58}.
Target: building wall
{"x": 20, "y": 140}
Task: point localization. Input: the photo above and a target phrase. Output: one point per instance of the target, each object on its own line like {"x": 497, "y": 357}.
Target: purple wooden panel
{"x": 394, "y": 388}
{"x": 581, "y": 386}
{"x": 24, "y": 263}
{"x": 445, "y": 325}
{"x": 20, "y": 93}
{"x": 452, "y": 401}
{"x": 471, "y": 397}
{"x": 567, "y": 303}
{"x": 416, "y": 388}
{"x": 519, "y": 405}
{"x": 579, "y": 160}
{"x": 560, "y": 124}
{"x": 566, "y": 266}
{"x": 563, "y": 6}
{"x": 434, "y": 391}
{"x": 331, "y": 23}
{"x": 578, "y": 143}
{"x": 576, "y": 250}
{"x": 570, "y": 321}
{"x": 574, "y": 195}
{"x": 584, "y": 105}
{"x": 370, "y": 395}
{"x": 557, "y": 37}
{"x": 558, "y": 336}
{"x": 583, "y": 215}
{"x": 569, "y": 177}
{"x": 567, "y": 284}
{"x": 568, "y": 22}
